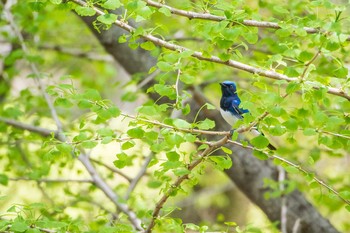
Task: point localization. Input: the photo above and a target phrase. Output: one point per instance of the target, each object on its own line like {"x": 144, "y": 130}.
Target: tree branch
{"x": 232, "y": 63}
{"x": 207, "y": 16}
{"x": 138, "y": 177}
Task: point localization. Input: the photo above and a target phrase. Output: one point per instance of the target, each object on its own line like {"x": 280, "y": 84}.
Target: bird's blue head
{"x": 228, "y": 88}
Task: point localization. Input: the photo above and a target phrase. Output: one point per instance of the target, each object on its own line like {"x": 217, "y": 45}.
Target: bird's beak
{"x": 222, "y": 84}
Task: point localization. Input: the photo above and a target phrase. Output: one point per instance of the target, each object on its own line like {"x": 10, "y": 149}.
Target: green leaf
{"x": 112, "y": 4}
{"x": 105, "y": 132}
{"x": 226, "y": 150}
{"x": 127, "y": 145}
{"x": 151, "y": 135}
{"x": 119, "y": 163}
{"x": 174, "y": 139}
{"x": 187, "y": 79}
{"x": 181, "y": 171}
{"x": 89, "y": 144}
{"x": 341, "y": 72}
{"x": 106, "y": 140}
{"x": 92, "y": 94}
{"x": 164, "y": 66}
{"x": 222, "y": 162}
{"x": 332, "y": 46}
{"x": 165, "y": 11}
{"x": 291, "y": 124}
{"x": 251, "y": 37}
{"x": 313, "y": 184}
{"x": 85, "y": 11}
{"x": 107, "y": 18}
{"x": 56, "y": 1}
{"x": 280, "y": 9}
{"x": 114, "y": 111}
{"x": 148, "y": 110}
{"x": 63, "y": 102}
{"x": 291, "y": 169}
{"x": 189, "y": 137}
{"x": 84, "y": 104}
{"x": 305, "y": 56}
{"x": 309, "y": 132}
{"x": 4, "y": 179}
{"x": 64, "y": 148}
{"x": 260, "y": 142}
{"x": 168, "y": 165}
{"x": 347, "y": 207}
{"x": 154, "y": 184}
{"x": 260, "y": 155}
{"x": 18, "y": 226}
{"x": 179, "y": 123}
{"x": 283, "y": 32}
{"x": 173, "y": 156}
{"x": 148, "y": 45}
{"x": 136, "y": 132}
{"x": 206, "y": 124}
{"x": 165, "y": 90}
{"x": 292, "y": 87}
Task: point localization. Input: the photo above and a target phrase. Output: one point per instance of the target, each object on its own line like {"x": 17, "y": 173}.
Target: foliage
{"x": 291, "y": 66}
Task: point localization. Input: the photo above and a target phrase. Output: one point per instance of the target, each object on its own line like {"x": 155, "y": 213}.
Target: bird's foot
{"x": 231, "y": 132}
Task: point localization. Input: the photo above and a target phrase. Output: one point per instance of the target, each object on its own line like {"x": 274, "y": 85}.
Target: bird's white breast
{"x": 229, "y": 117}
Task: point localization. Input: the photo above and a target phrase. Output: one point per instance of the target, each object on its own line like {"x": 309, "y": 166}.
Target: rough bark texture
{"x": 247, "y": 171}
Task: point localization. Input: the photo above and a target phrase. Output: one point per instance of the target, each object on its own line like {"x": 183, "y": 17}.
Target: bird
{"x": 230, "y": 110}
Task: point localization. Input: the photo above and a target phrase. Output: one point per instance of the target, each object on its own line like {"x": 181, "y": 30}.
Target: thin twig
{"x": 111, "y": 169}
{"x": 232, "y": 63}
{"x": 138, "y": 177}
{"x": 319, "y": 181}
{"x": 194, "y": 131}
{"x": 212, "y": 146}
{"x": 177, "y": 82}
{"x": 296, "y": 226}
{"x": 207, "y": 16}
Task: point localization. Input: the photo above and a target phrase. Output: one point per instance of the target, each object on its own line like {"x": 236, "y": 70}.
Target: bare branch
{"x": 138, "y": 177}
{"x": 35, "y": 129}
{"x": 232, "y": 63}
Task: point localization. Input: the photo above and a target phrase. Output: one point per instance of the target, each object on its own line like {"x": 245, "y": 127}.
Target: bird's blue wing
{"x": 236, "y": 110}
